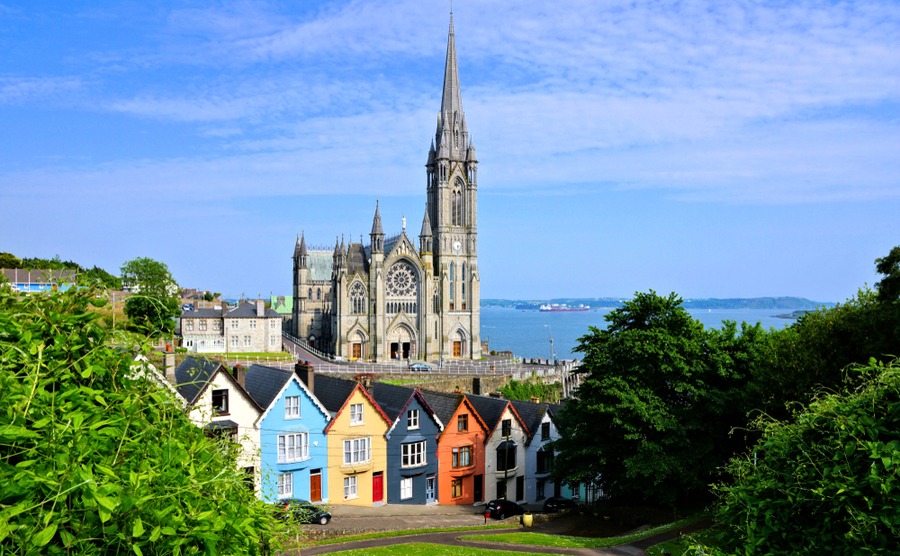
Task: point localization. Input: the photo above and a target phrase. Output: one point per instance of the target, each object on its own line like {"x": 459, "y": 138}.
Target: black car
{"x": 301, "y": 511}
{"x": 556, "y": 503}
{"x": 501, "y": 509}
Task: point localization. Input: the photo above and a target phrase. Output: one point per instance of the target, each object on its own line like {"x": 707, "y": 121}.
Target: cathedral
{"x": 388, "y": 300}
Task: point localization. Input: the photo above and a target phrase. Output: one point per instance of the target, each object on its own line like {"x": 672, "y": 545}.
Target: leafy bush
{"x": 94, "y": 459}
{"x": 826, "y": 482}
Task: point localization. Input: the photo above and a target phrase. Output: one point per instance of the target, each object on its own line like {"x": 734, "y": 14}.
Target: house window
{"x": 507, "y": 427}
{"x": 356, "y": 414}
{"x": 293, "y": 447}
{"x": 272, "y": 324}
{"x": 462, "y": 456}
{"x": 292, "y": 407}
{"x": 272, "y": 341}
{"x": 246, "y": 341}
{"x": 456, "y": 490}
{"x": 406, "y": 488}
{"x": 357, "y": 450}
{"x": 350, "y": 488}
{"x": 202, "y": 323}
{"x": 413, "y": 454}
{"x": 412, "y": 419}
{"x": 540, "y": 489}
{"x": 220, "y": 402}
{"x": 462, "y": 423}
{"x": 217, "y": 325}
{"x": 544, "y": 460}
{"x": 188, "y": 325}
{"x": 506, "y": 456}
{"x": 252, "y": 324}
{"x": 545, "y": 431}
{"x": 234, "y": 341}
{"x": 285, "y": 485}
{"x": 234, "y": 324}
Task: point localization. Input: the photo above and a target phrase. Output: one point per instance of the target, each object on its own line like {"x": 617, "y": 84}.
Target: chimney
{"x": 169, "y": 364}
{"x": 260, "y": 308}
{"x": 306, "y": 373}
{"x": 476, "y": 385}
{"x": 240, "y": 375}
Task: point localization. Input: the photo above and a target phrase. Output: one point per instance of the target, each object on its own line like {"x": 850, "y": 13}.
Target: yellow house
{"x": 357, "y": 449}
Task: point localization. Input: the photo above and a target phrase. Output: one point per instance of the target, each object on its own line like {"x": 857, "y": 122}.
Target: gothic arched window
{"x": 457, "y": 212}
{"x": 452, "y": 283}
{"x": 357, "y": 299}
{"x": 462, "y": 286}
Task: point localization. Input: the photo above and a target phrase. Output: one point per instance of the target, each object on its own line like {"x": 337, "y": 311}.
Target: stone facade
{"x": 390, "y": 300}
{"x": 247, "y": 328}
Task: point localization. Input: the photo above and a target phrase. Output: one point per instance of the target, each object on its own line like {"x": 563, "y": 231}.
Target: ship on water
{"x": 563, "y": 308}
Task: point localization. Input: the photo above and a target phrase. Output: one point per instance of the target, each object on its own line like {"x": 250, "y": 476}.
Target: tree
{"x": 154, "y": 303}
{"x": 825, "y": 482}
{"x": 8, "y": 260}
{"x": 889, "y": 287}
{"x": 647, "y": 419}
{"x": 96, "y": 276}
{"x": 95, "y": 459}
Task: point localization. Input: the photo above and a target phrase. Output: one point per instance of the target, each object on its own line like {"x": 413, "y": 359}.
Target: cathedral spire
{"x": 451, "y": 101}
{"x": 452, "y": 136}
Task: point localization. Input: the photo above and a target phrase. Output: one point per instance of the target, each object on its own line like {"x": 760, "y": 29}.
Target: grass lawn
{"x": 403, "y": 533}
{"x": 426, "y": 549}
{"x": 679, "y": 546}
{"x": 564, "y": 541}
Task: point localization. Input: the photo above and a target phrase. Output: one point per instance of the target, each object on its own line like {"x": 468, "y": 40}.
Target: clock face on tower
{"x": 457, "y": 246}
{"x": 401, "y": 280}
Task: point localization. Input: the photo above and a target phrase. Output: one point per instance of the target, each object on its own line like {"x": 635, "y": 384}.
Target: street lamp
{"x": 552, "y": 353}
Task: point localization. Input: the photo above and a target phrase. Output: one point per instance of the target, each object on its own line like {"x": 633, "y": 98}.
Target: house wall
{"x": 373, "y": 427}
{"x": 241, "y": 410}
{"x": 532, "y": 477}
{"x": 427, "y": 431}
{"x": 274, "y": 423}
{"x": 452, "y": 438}
{"x": 256, "y": 334}
{"x": 492, "y": 474}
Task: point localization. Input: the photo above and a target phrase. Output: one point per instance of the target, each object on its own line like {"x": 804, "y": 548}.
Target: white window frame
{"x": 188, "y": 325}
{"x": 234, "y": 324}
{"x": 248, "y": 340}
{"x": 235, "y": 341}
{"x": 412, "y": 419}
{"x": 406, "y": 488}
{"x": 350, "y": 488}
{"x": 217, "y": 325}
{"x": 293, "y": 447}
{"x": 286, "y": 485}
{"x": 356, "y": 414}
{"x": 202, "y": 325}
{"x": 357, "y": 450}
{"x": 272, "y": 324}
{"x": 413, "y": 454}
{"x": 292, "y": 407}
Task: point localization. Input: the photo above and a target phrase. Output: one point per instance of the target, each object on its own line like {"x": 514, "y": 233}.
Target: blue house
{"x": 293, "y": 446}
{"x": 412, "y": 462}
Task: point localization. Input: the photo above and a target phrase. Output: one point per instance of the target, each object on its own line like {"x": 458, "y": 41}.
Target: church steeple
{"x": 452, "y": 136}
{"x": 376, "y": 236}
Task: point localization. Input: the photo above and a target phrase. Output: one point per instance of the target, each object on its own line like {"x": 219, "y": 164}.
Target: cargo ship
{"x": 563, "y": 308}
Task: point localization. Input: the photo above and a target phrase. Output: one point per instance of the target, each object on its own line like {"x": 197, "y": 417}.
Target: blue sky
{"x": 714, "y": 149}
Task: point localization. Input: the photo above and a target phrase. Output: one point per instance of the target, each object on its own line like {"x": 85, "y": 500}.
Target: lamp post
{"x": 552, "y": 353}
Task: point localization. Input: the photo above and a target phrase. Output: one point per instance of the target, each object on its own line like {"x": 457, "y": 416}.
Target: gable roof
{"x": 267, "y": 384}
{"x": 445, "y": 405}
{"x": 201, "y": 314}
{"x": 334, "y": 393}
{"x": 192, "y": 376}
{"x": 532, "y": 415}
{"x": 394, "y": 401}
{"x": 491, "y": 409}
{"x": 248, "y": 310}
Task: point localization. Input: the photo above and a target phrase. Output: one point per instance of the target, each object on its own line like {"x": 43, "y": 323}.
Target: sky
{"x": 712, "y": 149}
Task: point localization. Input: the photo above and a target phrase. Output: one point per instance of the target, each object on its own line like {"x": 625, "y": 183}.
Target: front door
{"x": 479, "y": 488}
{"x": 520, "y": 487}
{"x": 429, "y": 490}
{"x": 315, "y": 485}
{"x": 377, "y": 487}
{"x": 357, "y": 351}
{"x": 457, "y": 349}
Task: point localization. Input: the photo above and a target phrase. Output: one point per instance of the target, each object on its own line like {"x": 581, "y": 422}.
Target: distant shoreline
{"x": 797, "y": 305}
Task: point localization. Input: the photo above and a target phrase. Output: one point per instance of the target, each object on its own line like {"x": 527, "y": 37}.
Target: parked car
{"x": 501, "y": 509}
{"x": 556, "y": 503}
{"x": 420, "y": 367}
{"x": 301, "y": 511}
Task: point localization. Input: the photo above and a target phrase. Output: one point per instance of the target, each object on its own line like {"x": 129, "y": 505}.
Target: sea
{"x": 532, "y": 334}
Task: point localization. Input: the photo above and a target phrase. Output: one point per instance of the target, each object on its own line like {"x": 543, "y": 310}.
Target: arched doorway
{"x": 401, "y": 343}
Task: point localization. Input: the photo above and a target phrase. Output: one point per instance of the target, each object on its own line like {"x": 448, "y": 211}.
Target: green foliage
{"x": 526, "y": 390}
{"x": 96, "y": 460}
{"x": 154, "y": 305}
{"x": 826, "y": 482}
{"x": 659, "y": 397}
{"x": 889, "y": 267}
{"x": 96, "y": 276}
{"x": 8, "y": 260}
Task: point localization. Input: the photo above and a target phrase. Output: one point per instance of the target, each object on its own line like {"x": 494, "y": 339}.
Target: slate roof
{"x": 490, "y": 409}
{"x": 192, "y": 376}
{"x": 392, "y": 399}
{"x": 443, "y": 405}
{"x": 202, "y": 314}
{"x": 320, "y": 264}
{"x": 333, "y": 392}
{"x": 264, "y": 383}
{"x": 532, "y": 414}
{"x": 248, "y": 310}
{"x": 357, "y": 260}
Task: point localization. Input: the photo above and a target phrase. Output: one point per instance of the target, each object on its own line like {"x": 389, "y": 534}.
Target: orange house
{"x": 460, "y": 449}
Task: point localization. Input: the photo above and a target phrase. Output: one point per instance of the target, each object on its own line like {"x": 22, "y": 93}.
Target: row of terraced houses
{"x": 326, "y": 439}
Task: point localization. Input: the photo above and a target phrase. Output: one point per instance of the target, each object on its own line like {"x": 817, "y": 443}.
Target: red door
{"x": 377, "y": 487}
{"x": 315, "y": 487}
